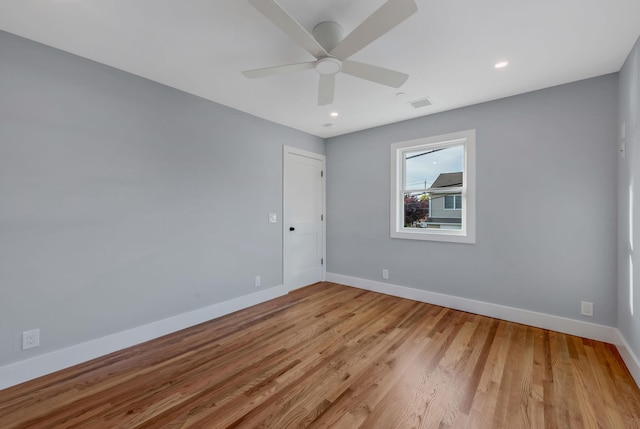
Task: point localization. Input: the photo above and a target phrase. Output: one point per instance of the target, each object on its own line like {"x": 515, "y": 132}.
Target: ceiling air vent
{"x": 423, "y": 102}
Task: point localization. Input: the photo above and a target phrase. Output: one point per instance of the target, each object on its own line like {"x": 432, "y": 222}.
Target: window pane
{"x": 416, "y": 209}
{"x": 448, "y": 202}
{"x": 428, "y": 174}
{"x": 424, "y": 166}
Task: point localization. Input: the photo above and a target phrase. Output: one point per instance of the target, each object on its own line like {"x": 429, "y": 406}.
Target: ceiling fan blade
{"x": 326, "y": 89}
{"x": 285, "y": 22}
{"x": 374, "y": 73}
{"x": 273, "y": 71}
{"x": 390, "y": 14}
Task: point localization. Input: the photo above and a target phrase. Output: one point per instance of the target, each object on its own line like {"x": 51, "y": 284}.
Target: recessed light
{"x": 333, "y": 114}
{"x": 501, "y": 64}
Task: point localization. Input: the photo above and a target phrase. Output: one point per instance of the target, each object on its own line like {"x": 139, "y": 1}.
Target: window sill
{"x": 442, "y": 236}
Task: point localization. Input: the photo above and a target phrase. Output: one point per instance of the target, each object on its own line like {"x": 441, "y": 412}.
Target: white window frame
{"x": 468, "y": 232}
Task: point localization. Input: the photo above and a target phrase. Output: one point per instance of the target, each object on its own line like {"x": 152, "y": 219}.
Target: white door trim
{"x": 323, "y": 159}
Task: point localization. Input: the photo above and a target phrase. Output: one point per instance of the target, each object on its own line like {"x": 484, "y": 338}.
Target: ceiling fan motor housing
{"x": 328, "y": 34}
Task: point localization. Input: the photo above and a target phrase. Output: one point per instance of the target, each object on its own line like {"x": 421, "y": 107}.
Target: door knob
{"x": 292, "y": 228}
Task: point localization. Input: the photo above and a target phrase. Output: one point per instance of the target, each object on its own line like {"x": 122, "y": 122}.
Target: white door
{"x": 303, "y": 218}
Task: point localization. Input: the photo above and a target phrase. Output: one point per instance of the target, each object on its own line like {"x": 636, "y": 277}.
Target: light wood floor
{"x": 332, "y": 356}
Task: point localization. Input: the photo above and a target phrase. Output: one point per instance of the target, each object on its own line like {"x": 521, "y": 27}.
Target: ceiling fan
{"x": 331, "y": 50}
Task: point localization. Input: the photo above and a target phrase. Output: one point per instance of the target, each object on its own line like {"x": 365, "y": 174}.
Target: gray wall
{"x": 123, "y": 201}
{"x": 551, "y": 153}
{"x": 629, "y": 185}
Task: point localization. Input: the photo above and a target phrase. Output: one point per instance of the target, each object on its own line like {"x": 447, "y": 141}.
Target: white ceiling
{"x": 448, "y": 48}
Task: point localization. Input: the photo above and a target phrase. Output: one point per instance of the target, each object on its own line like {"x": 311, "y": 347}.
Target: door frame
{"x": 323, "y": 159}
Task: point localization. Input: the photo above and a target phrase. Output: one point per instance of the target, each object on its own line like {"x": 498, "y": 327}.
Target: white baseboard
{"x": 629, "y": 358}
{"x": 38, "y": 366}
{"x": 540, "y": 320}
{"x": 579, "y": 328}
{"x": 35, "y": 367}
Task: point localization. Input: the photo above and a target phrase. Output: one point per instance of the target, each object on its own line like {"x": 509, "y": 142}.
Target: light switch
{"x": 273, "y": 218}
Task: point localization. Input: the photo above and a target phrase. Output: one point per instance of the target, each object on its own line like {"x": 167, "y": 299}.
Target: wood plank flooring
{"x": 331, "y": 356}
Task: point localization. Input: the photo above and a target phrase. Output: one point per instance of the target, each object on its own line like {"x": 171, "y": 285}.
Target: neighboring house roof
{"x": 448, "y": 180}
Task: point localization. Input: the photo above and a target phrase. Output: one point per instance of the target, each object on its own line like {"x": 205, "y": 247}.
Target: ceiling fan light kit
{"x": 328, "y": 65}
{"x": 331, "y": 50}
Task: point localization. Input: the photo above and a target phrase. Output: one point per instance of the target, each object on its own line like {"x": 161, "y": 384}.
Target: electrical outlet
{"x": 586, "y": 308}
{"x": 30, "y": 339}
{"x": 257, "y": 282}
{"x": 385, "y": 274}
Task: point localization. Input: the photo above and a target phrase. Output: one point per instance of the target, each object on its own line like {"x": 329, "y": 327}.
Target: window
{"x": 453, "y": 202}
{"x": 433, "y": 188}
